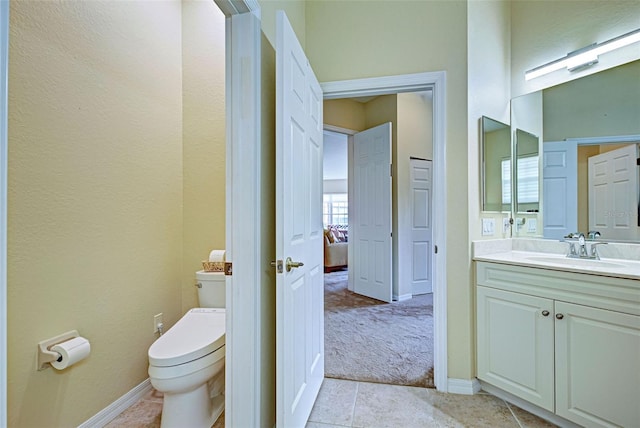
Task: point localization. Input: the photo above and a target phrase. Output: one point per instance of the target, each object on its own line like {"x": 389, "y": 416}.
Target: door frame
{"x": 4, "y": 89}
{"x": 436, "y": 82}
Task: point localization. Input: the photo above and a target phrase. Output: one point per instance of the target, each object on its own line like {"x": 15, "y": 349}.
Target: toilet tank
{"x": 211, "y": 289}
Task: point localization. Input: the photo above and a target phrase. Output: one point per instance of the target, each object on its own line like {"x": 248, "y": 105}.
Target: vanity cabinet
{"x": 566, "y": 342}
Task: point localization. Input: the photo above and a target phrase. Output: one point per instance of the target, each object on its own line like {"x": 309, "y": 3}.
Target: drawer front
{"x": 616, "y": 294}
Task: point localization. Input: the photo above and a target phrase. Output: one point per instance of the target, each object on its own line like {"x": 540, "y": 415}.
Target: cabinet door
{"x": 597, "y": 366}
{"x": 515, "y": 344}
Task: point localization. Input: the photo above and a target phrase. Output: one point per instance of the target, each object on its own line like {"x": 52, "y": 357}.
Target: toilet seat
{"x": 199, "y": 332}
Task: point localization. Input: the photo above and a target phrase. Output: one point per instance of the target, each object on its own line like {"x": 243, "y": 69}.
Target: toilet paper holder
{"x": 46, "y": 356}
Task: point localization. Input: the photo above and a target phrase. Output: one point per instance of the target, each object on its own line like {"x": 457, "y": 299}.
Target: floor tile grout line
{"x": 513, "y": 414}
{"x": 355, "y": 401}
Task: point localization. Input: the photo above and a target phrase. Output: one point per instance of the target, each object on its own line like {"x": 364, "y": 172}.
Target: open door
{"x": 299, "y": 231}
{"x": 421, "y": 182}
{"x": 370, "y": 218}
{"x": 560, "y": 188}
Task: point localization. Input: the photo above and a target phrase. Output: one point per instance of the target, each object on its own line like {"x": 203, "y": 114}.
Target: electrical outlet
{"x": 157, "y": 320}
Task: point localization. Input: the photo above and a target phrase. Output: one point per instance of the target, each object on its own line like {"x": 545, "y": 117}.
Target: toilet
{"x": 186, "y": 363}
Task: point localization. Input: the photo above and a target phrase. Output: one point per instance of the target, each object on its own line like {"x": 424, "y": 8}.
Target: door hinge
{"x": 228, "y": 268}
{"x": 391, "y": 169}
{"x": 435, "y": 249}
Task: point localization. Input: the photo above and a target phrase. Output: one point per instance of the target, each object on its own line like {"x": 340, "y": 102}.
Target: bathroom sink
{"x": 568, "y": 261}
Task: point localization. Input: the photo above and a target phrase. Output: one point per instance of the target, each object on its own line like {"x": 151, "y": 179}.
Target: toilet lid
{"x": 198, "y": 333}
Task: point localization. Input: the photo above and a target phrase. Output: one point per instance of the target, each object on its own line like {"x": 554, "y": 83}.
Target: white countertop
{"x": 617, "y": 268}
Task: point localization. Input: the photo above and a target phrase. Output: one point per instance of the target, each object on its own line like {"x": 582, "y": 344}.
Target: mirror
{"x": 496, "y": 165}
{"x": 594, "y": 114}
{"x": 527, "y": 172}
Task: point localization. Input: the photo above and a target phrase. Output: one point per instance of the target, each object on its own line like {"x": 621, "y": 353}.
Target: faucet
{"x": 581, "y": 251}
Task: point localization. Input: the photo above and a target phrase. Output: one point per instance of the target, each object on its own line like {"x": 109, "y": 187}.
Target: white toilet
{"x": 187, "y": 362}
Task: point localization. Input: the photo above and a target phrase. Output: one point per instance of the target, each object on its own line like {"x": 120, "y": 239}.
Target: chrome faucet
{"x": 578, "y": 247}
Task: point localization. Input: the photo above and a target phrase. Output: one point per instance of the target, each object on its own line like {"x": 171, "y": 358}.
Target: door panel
{"x": 421, "y": 182}
{"x": 560, "y": 188}
{"x": 370, "y": 220}
{"x": 299, "y": 290}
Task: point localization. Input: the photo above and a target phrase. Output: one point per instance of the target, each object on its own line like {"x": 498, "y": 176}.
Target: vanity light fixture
{"x": 585, "y": 57}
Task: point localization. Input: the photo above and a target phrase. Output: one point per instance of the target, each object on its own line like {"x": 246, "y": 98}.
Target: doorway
{"x": 352, "y": 344}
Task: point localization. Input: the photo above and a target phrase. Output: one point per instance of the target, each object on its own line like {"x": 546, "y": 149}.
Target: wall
{"x": 344, "y": 40}
{"x": 203, "y": 137}
{"x": 95, "y": 197}
{"x": 296, "y": 13}
{"x": 545, "y": 31}
{"x": 489, "y": 92}
{"x": 344, "y": 113}
{"x": 415, "y": 139}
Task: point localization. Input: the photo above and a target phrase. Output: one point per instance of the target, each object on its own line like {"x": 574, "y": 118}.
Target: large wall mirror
{"x": 496, "y": 165}
{"x": 590, "y": 131}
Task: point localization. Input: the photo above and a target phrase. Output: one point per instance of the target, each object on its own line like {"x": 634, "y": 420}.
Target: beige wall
{"x": 203, "y": 136}
{"x": 344, "y": 113}
{"x": 489, "y": 92}
{"x": 95, "y": 197}
{"x": 296, "y": 13}
{"x": 355, "y": 47}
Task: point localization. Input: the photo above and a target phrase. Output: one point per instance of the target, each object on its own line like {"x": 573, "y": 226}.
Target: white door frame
{"x": 4, "y": 71}
{"x": 244, "y": 403}
{"x": 435, "y": 81}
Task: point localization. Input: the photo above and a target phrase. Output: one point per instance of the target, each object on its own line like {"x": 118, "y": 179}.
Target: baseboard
{"x": 463, "y": 386}
{"x": 403, "y": 297}
{"x": 531, "y": 408}
{"x": 114, "y": 409}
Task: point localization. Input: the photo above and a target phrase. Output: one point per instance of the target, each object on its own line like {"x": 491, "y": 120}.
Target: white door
{"x": 370, "y": 218}
{"x": 421, "y": 181}
{"x": 613, "y": 194}
{"x": 560, "y": 188}
{"x": 299, "y": 232}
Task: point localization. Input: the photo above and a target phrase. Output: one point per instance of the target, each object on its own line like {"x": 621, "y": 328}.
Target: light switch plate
{"x": 488, "y": 226}
{"x": 532, "y": 225}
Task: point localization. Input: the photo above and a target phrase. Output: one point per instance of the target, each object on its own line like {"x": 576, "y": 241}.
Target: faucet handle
{"x": 593, "y": 234}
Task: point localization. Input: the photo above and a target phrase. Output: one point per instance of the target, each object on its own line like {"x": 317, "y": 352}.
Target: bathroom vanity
{"x": 561, "y": 334}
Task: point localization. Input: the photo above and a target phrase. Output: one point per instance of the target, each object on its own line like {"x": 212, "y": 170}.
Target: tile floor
{"x": 346, "y": 403}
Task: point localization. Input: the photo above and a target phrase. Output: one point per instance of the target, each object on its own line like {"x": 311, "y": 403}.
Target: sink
{"x": 568, "y": 261}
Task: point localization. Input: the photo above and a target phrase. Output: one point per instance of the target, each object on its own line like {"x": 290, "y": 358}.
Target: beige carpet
{"x": 369, "y": 340}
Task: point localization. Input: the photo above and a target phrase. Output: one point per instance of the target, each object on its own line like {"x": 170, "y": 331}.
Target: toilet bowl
{"x": 186, "y": 363}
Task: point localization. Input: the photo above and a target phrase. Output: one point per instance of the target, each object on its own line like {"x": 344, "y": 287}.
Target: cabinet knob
{"x": 545, "y": 313}
{"x": 559, "y": 316}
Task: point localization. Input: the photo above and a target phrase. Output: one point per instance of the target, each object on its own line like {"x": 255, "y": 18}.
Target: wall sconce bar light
{"x": 585, "y": 57}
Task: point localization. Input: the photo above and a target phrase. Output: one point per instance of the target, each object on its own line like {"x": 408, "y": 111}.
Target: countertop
{"x": 617, "y": 268}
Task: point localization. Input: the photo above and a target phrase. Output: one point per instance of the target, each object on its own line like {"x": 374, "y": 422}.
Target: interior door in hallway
{"x": 370, "y": 219}
{"x": 421, "y": 182}
{"x": 559, "y": 188}
{"x": 299, "y": 231}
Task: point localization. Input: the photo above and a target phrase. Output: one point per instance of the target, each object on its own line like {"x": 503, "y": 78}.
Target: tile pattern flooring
{"x": 345, "y": 403}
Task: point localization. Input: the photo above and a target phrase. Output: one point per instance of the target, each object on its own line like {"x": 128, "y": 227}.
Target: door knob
{"x": 291, "y": 264}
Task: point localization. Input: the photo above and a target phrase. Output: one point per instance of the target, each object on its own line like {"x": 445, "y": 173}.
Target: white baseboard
{"x": 463, "y": 386}
{"x": 113, "y": 410}
{"x": 531, "y": 408}
{"x": 403, "y": 297}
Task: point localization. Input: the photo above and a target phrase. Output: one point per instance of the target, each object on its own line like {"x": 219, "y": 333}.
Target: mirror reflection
{"x": 583, "y": 120}
{"x": 527, "y": 172}
{"x": 496, "y": 165}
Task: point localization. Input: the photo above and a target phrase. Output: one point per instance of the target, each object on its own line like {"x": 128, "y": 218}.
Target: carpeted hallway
{"x": 369, "y": 340}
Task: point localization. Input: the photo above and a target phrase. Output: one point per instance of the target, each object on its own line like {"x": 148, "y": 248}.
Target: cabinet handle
{"x": 559, "y": 316}
{"x": 545, "y": 313}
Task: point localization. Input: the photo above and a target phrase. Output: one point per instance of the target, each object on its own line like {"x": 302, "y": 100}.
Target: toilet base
{"x": 193, "y": 409}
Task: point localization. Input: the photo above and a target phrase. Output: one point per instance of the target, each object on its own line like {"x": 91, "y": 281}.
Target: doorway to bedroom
{"x": 368, "y": 339}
